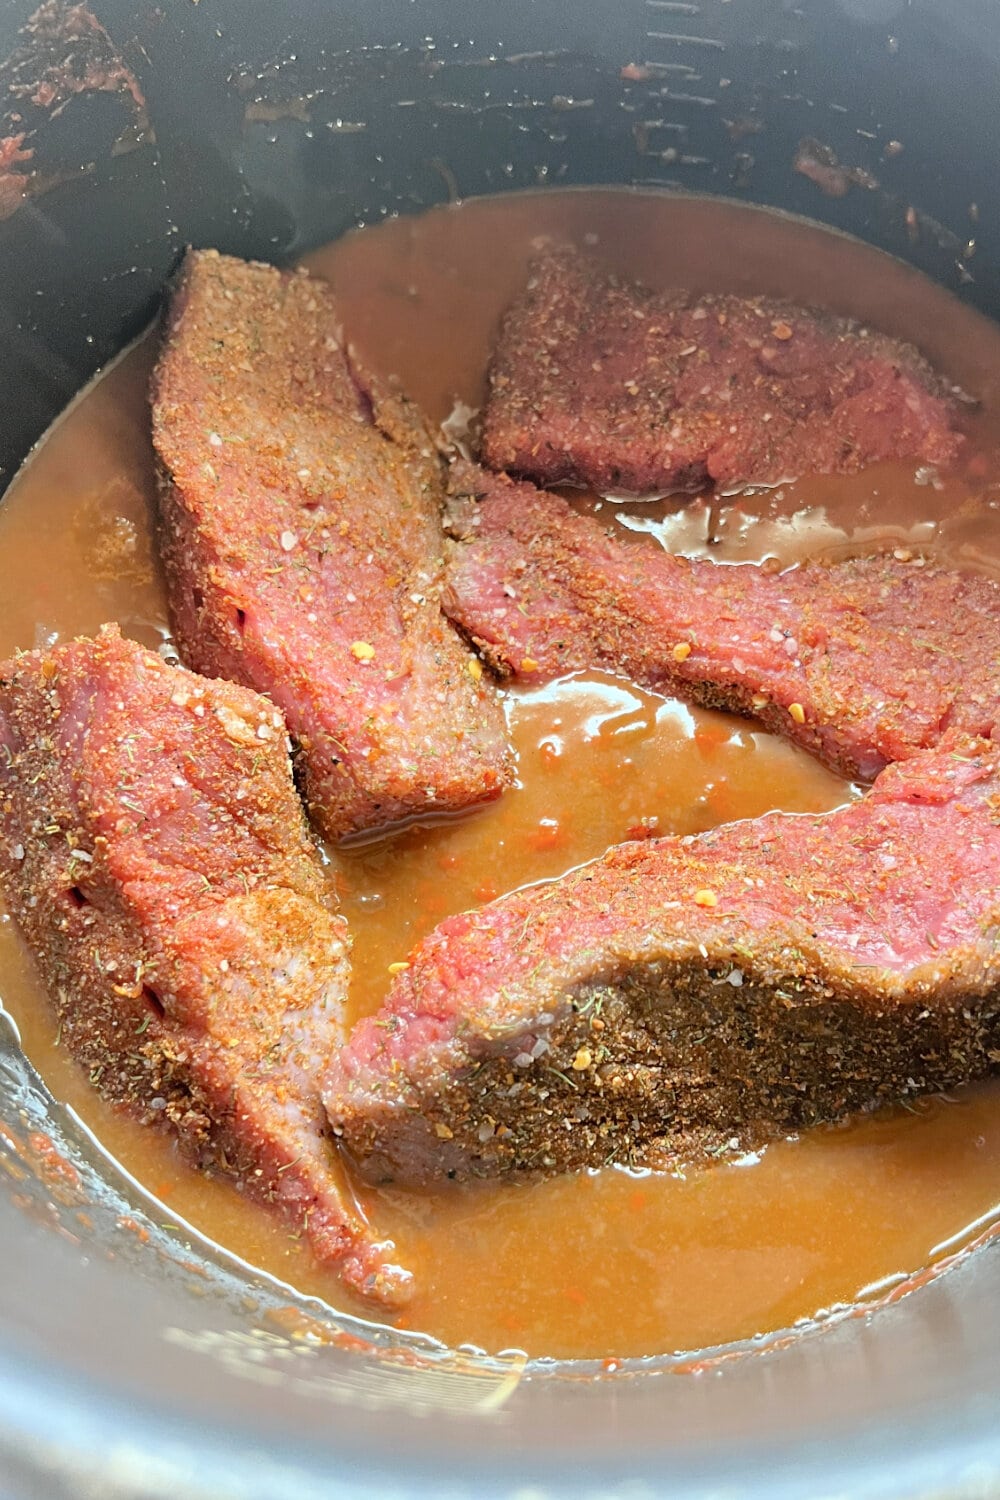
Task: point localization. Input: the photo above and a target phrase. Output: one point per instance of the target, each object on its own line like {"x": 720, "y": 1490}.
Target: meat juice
{"x": 609, "y": 1263}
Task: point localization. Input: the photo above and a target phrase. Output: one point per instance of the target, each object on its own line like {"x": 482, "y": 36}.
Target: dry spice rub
{"x": 863, "y": 661}
{"x": 155, "y": 856}
{"x": 690, "y": 996}
{"x": 598, "y": 381}
{"x": 302, "y": 544}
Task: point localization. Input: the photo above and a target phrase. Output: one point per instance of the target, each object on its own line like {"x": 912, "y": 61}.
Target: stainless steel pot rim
{"x": 56, "y": 1440}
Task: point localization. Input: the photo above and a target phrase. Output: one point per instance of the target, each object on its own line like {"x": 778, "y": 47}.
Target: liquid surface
{"x": 606, "y": 1264}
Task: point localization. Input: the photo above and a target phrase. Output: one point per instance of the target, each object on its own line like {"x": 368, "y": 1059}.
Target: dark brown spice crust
{"x": 679, "y": 997}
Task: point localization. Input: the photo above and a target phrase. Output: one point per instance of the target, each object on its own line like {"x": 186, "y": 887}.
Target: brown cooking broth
{"x": 609, "y": 1263}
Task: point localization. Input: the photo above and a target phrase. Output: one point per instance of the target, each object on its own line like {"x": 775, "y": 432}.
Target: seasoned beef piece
{"x": 862, "y": 661}
{"x": 600, "y": 382}
{"x": 302, "y": 543}
{"x": 154, "y": 854}
{"x": 695, "y": 995}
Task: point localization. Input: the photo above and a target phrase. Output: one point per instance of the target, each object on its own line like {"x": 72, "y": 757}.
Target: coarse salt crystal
{"x": 288, "y": 540}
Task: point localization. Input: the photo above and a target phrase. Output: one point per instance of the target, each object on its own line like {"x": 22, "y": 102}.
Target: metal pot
{"x": 134, "y": 1360}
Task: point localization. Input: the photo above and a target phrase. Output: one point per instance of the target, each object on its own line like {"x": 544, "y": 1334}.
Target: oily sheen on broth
{"x": 606, "y": 1263}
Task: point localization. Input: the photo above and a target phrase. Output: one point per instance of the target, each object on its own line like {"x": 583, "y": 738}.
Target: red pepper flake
{"x": 711, "y": 737}
{"x": 548, "y": 835}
